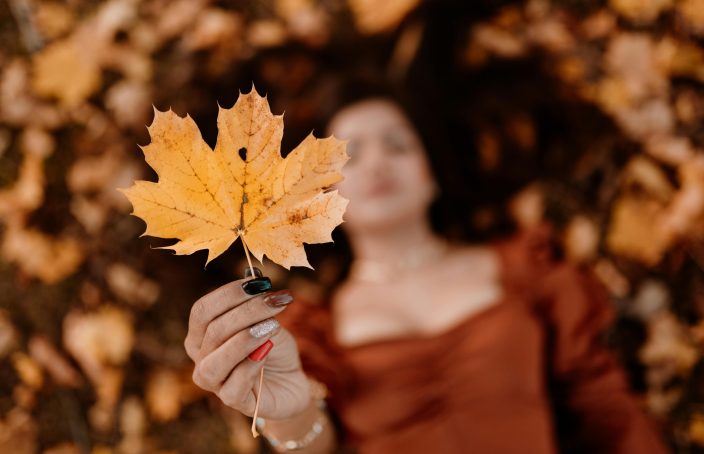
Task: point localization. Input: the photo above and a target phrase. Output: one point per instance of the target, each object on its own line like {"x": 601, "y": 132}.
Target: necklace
{"x": 379, "y": 271}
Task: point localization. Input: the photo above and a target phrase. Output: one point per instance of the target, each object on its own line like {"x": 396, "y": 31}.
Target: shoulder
{"x": 534, "y": 263}
{"x": 528, "y": 256}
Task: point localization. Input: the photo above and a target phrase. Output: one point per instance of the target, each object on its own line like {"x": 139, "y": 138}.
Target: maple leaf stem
{"x": 255, "y": 434}
{"x": 249, "y": 260}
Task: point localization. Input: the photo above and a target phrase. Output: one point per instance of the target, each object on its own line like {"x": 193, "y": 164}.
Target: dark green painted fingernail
{"x": 258, "y": 285}
{"x": 248, "y": 272}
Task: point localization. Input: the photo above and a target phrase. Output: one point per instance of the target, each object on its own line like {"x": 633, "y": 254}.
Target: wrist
{"x": 302, "y": 429}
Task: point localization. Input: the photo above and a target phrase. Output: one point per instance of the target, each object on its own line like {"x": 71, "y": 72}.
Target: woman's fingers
{"x": 237, "y": 390}
{"x": 217, "y": 302}
{"x": 244, "y": 316}
{"x": 213, "y": 369}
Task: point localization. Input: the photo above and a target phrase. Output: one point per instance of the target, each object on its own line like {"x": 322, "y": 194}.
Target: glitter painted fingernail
{"x": 264, "y": 328}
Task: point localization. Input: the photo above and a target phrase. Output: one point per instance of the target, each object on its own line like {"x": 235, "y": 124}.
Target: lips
{"x": 380, "y": 189}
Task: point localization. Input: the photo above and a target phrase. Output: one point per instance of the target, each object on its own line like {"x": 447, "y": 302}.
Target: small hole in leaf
{"x": 243, "y": 153}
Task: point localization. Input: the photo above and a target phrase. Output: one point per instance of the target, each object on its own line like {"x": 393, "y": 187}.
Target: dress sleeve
{"x": 595, "y": 409}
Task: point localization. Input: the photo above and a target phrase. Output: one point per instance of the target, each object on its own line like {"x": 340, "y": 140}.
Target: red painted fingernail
{"x": 261, "y": 351}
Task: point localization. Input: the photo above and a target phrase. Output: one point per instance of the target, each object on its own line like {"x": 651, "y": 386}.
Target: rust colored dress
{"x": 526, "y": 375}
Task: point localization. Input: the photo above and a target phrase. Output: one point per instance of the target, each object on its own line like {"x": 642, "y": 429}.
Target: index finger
{"x": 217, "y": 302}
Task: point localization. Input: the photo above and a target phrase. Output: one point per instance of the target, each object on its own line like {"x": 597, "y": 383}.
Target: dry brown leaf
{"x": 581, "y": 239}
{"x": 633, "y": 232}
{"x": 66, "y": 71}
{"x": 71, "y": 69}
{"x": 28, "y": 370}
{"x": 133, "y": 425}
{"x": 651, "y": 298}
{"x": 686, "y": 212}
{"x": 163, "y": 394}
{"x": 51, "y": 260}
{"x": 652, "y": 118}
{"x": 18, "y": 433}
{"x": 599, "y": 25}
{"x": 528, "y": 206}
{"x": 669, "y": 149}
{"x": 176, "y": 16}
{"x": 54, "y": 362}
{"x": 92, "y": 214}
{"x": 63, "y": 448}
{"x": 373, "y": 17}
{"x": 131, "y": 286}
{"x": 17, "y": 106}
{"x": 107, "y": 390}
{"x": 129, "y": 102}
{"x": 631, "y": 58}
{"x": 214, "y": 27}
{"x": 612, "y": 278}
{"x": 668, "y": 343}
{"x": 660, "y": 402}
{"x": 648, "y": 176}
{"x": 642, "y": 11}
{"x": 695, "y": 429}
{"x": 91, "y": 172}
{"x": 550, "y": 33}
{"x": 27, "y": 193}
{"x": 101, "y": 341}
{"x": 266, "y": 33}
{"x": 498, "y": 41}
{"x": 9, "y": 337}
{"x": 53, "y": 18}
{"x": 693, "y": 13}
{"x": 244, "y": 188}
{"x": 98, "y": 338}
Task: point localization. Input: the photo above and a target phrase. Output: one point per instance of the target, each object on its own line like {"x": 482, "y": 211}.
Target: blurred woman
{"x": 427, "y": 344}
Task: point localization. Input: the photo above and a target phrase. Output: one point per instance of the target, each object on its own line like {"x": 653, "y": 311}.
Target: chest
{"x": 421, "y": 307}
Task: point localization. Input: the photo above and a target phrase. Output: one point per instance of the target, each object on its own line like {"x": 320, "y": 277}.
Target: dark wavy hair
{"x": 452, "y": 213}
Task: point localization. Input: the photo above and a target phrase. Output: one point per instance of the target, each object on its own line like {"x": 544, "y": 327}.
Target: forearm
{"x": 296, "y": 428}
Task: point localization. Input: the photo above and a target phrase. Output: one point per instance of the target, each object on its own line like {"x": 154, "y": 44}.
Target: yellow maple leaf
{"x": 243, "y": 188}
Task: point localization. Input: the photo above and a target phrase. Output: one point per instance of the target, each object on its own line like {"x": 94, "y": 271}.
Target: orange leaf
{"x": 244, "y": 188}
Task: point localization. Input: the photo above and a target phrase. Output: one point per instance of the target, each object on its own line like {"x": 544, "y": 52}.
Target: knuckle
{"x": 254, "y": 308}
{"x": 231, "y": 398}
{"x": 212, "y": 332}
{"x": 196, "y": 377}
{"x": 202, "y": 376}
{"x": 187, "y": 347}
{"x": 234, "y": 394}
{"x": 196, "y": 311}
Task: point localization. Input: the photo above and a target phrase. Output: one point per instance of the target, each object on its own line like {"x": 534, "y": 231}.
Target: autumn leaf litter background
{"x": 585, "y": 113}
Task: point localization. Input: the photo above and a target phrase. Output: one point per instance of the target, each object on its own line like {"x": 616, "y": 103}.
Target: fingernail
{"x": 261, "y": 351}
{"x": 279, "y": 299}
{"x": 264, "y": 328}
{"x": 257, "y": 285}
{"x": 248, "y": 272}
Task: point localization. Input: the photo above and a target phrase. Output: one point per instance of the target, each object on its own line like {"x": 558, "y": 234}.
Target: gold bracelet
{"x": 307, "y": 439}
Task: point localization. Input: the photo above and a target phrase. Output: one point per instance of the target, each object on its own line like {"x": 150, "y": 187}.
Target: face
{"x": 388, "y": 178}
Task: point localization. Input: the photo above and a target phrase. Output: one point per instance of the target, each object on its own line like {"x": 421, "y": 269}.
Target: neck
{"x": 393, "y": 244}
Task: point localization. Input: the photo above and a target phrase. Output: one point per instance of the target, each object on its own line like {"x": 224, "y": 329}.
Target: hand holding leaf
{"x": 243, "y": 188}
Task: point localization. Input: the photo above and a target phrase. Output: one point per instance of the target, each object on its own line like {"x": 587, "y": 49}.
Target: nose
{"x": 374, "y": 159}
